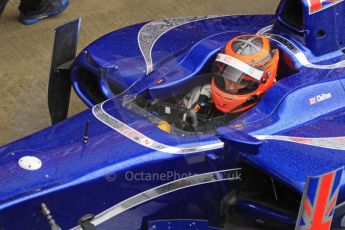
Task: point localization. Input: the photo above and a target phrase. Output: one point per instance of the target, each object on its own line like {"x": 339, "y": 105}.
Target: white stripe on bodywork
{"x": 337, "y": 143}
{"x": 190, "y": 181}
{"x": 152, "y": 31}
{"x": 143, "y": 140}
{"x": 264, "y": 30}
{"x": 299, "y": 55}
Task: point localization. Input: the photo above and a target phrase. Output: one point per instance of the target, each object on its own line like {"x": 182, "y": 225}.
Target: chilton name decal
{"x": 318, "y": 5}
{"x": 319, "y": 98}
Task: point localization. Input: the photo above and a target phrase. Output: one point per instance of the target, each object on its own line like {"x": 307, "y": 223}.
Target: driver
{"x": 241, "y": 74}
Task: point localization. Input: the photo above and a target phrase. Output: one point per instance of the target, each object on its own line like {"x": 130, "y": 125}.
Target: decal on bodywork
{"x": 319, "y": 5}
{"x": 199, "y": 179}
{"x": 318, "y": 201}
{"x": 299, "y": 55}
{"x": 143, "y": 140}
{"x": 152, "y": 31}
{"x": 337, "y": 143}
{"x": 319, "y": 98}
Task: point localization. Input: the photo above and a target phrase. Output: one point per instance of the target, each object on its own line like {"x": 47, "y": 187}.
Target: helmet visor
{"x": 234, "y": 76}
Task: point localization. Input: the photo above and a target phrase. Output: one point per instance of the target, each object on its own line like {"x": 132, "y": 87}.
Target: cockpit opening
{"x": 225, "y": 89}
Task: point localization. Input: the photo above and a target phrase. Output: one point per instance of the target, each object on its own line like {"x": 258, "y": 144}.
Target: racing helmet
{"x": 243, "y": 72}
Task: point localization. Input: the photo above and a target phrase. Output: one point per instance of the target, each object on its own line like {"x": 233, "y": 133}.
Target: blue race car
{"x": 139, "y": 159}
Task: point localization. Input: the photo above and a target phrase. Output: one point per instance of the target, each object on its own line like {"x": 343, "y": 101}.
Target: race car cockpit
{"x": 236, "y": 80}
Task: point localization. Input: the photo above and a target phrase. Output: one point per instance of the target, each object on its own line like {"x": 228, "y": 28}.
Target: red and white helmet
{"x": 243, "y": 72}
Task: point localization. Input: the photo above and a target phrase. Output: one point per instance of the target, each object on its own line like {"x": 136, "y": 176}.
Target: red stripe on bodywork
{"x": 321, "y": 203}
{"x": 331, "y": 206}
{"x": 307, "y": 208}
{"x": 315, "y": 5}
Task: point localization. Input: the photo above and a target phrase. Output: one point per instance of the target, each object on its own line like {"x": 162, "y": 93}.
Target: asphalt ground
{"x": 25, "y": 51}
